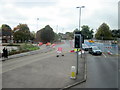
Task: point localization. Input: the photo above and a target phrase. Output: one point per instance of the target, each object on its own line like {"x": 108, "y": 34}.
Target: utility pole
{"x": 78, "y": 39}
{"x": 79, "y": 26}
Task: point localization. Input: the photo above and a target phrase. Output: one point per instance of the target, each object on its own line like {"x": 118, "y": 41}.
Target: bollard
{"x": 73, "y": 72}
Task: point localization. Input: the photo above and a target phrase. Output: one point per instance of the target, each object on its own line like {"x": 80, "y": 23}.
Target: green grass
{"x": 24, "y": 48}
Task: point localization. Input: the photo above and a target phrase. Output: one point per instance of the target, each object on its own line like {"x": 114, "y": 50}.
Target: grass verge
{"x": 24, "y": 48}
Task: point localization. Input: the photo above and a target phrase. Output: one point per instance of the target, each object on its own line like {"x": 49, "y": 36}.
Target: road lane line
{"x": 6, "y": 69}
{"x": 13, "y": 60}
{"x": 104, "y": 55}
{"x": 24, "y": 63}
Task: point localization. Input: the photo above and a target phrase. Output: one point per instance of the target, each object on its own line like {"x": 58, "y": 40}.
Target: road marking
{"x": 24, "y": 63}
{"x": 104, "y": 55}
{"x": 12, "y": 67}
{"x": 17, "y": 65}
{"x": 13, "y": 60}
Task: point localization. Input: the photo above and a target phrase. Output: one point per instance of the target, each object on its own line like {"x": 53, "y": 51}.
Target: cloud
{"x": 106, "y": 11}
{"x": 119, "y": 15}
{"x": 61, "y": 13}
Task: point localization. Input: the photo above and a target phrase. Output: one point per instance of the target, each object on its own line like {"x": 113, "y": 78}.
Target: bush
{"x": 24, "y": 48}
{"x": 11, "y": 44}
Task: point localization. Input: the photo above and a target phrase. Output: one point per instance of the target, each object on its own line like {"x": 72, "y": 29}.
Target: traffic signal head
{"x": 77, "y": 41}
{"x": 82, "y": 39}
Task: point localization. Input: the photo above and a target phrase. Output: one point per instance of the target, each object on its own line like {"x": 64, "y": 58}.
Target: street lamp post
{"x": 80, "y": 15}
{"x": 79, "y": 26}
{"x": 80, "y": 38}
{"x": 37, "y": 23}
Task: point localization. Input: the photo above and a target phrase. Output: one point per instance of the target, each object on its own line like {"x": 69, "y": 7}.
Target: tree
{"x": 46, "y": 34}
{"x": 57, "y": 38}
{"x": 21, "y": 33}
{"x": 116, "y": 33}
{"x": 75, "y": 31}
{"x": 60, "y": 35}
{"x": 88, "y": 34}
{"x": 32, "y": 35}
{"x": 70, "y": 35}
{"x": 103, "y": 32}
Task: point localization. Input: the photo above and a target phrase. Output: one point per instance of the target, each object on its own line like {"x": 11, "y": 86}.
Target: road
{"x": 45, "y": 70}
{"x": 42, "y": 70}
{"x": 102, "y": 71}
{"x": 105, "y": 47}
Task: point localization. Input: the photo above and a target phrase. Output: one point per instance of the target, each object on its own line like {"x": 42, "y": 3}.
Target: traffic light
{"x": 82, "y": 39}
{"x": 77, "y": 41}
{"x": 81, "y": 36}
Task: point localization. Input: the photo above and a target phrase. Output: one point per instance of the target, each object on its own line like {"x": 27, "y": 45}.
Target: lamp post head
{"x": 77, "y": 7}
{"x": 81, "y": 7}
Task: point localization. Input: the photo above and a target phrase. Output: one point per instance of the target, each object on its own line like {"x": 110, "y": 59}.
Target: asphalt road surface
{"x": 37, "y": 71}
{"x": 42, "y": 70}
{"x": 102, "y": 72}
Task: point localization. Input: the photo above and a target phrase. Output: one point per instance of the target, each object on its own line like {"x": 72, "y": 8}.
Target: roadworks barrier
{"x": 109, "y": 53}
{"x": 73, "y": 72}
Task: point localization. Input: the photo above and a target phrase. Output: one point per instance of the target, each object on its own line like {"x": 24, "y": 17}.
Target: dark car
{"x": 94, "y": 50}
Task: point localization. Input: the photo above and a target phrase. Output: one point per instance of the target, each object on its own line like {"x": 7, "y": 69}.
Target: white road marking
{"x": 104, "y": 55}
{"x": 20, "y": 63}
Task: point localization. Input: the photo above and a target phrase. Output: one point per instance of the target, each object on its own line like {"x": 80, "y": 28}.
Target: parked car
{"x": 94, "y": 50}
{"x": 85, "y": 47}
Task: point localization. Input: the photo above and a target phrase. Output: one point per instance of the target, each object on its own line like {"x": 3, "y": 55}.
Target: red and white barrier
{"x": 108, "y": 47}
{"x": 109, "y": 53}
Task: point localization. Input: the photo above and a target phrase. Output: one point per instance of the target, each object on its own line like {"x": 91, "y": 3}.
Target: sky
{"x": 61, "y": 15}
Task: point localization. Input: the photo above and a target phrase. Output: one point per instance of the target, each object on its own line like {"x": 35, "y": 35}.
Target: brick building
{"x": 5, "y": 34}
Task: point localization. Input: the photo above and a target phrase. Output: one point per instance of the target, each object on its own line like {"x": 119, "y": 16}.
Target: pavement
{"x": 56, "y": 74}
{"x": 42, "y": 49}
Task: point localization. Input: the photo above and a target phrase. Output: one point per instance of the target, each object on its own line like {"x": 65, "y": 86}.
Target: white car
{"x": 85, "y": 47}
{"x": 95, "y": 50}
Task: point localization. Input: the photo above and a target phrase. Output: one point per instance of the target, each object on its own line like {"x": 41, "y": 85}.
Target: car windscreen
{"x": 95, "y": 48}
{"x": 84, "y": 45}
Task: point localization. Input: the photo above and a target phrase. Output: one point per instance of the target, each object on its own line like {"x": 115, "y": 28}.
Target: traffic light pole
{"x": 77, "y": 63}
{"x": 78, "y": 45}
{"x": 81, "y": 45}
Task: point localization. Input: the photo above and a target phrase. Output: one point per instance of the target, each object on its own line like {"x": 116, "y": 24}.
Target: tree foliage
{"x": 46, "y": 34}
{"x": 32, "y": 35}
{"x": 103, "y": 32}
{"x": 57, "y": 37}
{"x": 116, "y": 33}
{"x": 21, "y": 33}
{"x": 76, "y": 30}
{"x": 70, "y": 35}
{"x": 88, "y": 34}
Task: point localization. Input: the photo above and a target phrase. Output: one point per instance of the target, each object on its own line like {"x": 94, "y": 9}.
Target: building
{"x": 6, "y": 34}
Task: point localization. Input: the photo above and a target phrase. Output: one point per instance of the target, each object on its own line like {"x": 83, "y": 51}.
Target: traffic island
{"x": 82, "y": 73}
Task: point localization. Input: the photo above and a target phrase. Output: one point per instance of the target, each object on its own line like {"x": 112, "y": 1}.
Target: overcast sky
{"x": 61, "y": 15}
